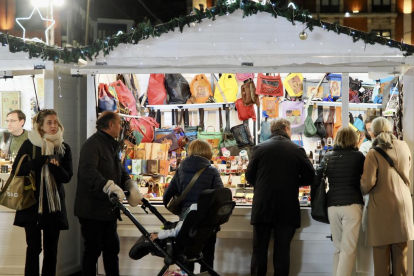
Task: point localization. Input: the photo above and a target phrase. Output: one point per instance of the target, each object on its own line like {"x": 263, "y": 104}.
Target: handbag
{"x": 269, "y": 85}
{"x": 170, "y": 139}
{"x": 174, "y": 204}
{"x": 242, "y": 134}
{"x": 244, "y": 76}
{"x": 156, "y": 92}
{"x": 226, "y": 89}
{"x": 265, "y": 131}
{"x": 106, "y": 100}
{"x": 228, "y": 141}
{"x": 245, "y": 112}
{"x": 319, "y": 208}
{"x": 335, "y": 81}
{"x": 293, "y": 112}
{"x": 329, "y": 124}
{"x": 18, "y": 192}
{"x": 293, "y": 84}
{"x": 125, "y": 97}
{"x": 200, "y": 88}
{"x": 248, "y": 91}
{"x": 177, "y": 88}
{"x": 310, "y": 128}
{"x": 338, "y": 121}
{"x": 310, "y": 84}
{"x": 320, "y": 128}
{"x": 144, "y": 125}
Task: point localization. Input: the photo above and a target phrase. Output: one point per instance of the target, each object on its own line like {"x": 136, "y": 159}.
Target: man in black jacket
{"x": 276, "y": 170}
{"x": 101, "y": 174}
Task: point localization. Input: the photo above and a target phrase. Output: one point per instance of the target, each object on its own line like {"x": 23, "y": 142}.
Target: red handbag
{"x": 156, "y": 93}
{"x": 269, "y": 85}
{"x": 125, "y": 97}
{"x": 145, "y": 126}
{"x": 245, "y": 112}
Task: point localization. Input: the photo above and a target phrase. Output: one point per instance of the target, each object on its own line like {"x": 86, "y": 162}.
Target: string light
{"x": 30, "y": 16}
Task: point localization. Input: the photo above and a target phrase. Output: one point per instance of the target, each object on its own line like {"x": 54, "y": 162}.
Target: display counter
{"x": 311, "y": 250}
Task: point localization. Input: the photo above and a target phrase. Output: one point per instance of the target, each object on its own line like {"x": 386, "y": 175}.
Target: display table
{"x": 311, "y": 250}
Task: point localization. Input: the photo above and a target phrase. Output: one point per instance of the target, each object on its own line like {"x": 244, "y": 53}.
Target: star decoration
{"x": 43, "y": 19}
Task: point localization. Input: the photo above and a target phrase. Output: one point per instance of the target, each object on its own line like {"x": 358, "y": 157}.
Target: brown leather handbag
{"x": 329, "y": 124}
{"x": 248, "y": 91}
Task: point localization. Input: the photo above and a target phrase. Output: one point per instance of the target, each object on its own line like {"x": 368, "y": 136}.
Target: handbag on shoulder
{"x": 319, "y": 207}
{"x": 18, "y": 192}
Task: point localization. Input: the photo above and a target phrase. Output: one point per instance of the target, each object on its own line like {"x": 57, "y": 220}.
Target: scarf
{"x": 49, "y": 145}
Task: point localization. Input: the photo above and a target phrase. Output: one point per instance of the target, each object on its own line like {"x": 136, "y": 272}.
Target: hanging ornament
{"x": 303, "y": 35}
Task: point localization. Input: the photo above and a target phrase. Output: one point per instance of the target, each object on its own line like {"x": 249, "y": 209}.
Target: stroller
{"x": 214, "y": 208}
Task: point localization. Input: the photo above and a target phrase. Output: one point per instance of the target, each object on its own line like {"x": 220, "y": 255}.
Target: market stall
{"x": 255, "y": 44}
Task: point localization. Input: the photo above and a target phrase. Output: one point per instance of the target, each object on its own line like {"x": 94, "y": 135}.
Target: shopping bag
{"x": 156, "y": 92}
{"x": 269, "y": 85}
{"x": 200, "y": 88}
{"x": 18, "y": 192}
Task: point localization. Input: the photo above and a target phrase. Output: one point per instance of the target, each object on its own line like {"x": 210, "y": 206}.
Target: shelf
{"x": 351, "y": 105}
{"x": 189, "y": 106}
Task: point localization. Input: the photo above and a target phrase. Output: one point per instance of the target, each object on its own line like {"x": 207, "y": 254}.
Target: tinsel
{"x": 146, "y": 30}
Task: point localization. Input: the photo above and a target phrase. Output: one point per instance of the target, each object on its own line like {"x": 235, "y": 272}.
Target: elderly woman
{"x": 52, "y": 167}
{"x": 390, "y": 211}
{"x": 344, "y": 199}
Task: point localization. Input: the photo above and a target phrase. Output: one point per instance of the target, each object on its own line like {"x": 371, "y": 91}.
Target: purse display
{"x": 18, "y": 192}
{"x": 269, "y": 85}
{"x": 319, "y": 207}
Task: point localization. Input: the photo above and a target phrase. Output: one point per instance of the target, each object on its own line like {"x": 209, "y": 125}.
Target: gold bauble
{"x": 303, "y": 35}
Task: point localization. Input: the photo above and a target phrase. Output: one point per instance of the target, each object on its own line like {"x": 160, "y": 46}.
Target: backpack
{"x": 248, "y": 91}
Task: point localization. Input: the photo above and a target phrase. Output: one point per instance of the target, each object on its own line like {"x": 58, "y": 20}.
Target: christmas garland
{"x": 223, "y": 7}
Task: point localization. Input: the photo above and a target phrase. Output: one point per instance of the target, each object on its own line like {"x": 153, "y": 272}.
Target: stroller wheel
{"x": 182, "y": 259}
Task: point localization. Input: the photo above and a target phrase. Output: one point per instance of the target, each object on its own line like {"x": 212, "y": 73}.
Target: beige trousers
{"x": 382, "y": 255}
{"x": 345, "y": 223}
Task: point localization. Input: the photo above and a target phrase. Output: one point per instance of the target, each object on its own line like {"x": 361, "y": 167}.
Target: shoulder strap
{"x": 190, "y": 185}
{"x": 326, "y": 166}
{"x": 221, "y": 91}
{"x": 389, "y": 160}
{"x": 220, "y": 120}
{"x": 227, "y": 118}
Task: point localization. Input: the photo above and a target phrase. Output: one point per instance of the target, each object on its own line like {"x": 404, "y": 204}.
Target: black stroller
{"x": 214, "y": 208}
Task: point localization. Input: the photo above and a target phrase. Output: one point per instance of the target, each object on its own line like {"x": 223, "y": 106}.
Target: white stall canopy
{"x": 258, "y": 43}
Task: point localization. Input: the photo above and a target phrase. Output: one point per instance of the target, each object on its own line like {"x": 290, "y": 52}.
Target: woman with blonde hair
{"x": 343, "y": 168}
{"x": 199, "y": 158}
{"x": 52, "y": 166}
{"x": 390, "y": 210}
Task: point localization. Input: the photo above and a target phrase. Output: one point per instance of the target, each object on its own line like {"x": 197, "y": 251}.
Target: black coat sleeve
{"x": 88, "y": 167}
{"x": 124, "y": 177}
{"x": 28, "y": 165}
{"x": 252, "y": 168}
{"x": 171, "y": 190}
{"x": 307, "y": 173}
{"x": 318, "y": 176}
{"x": 64, "y": 172}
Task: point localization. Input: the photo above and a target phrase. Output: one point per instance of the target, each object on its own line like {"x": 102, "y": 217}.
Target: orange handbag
{"x": 338, "y": 120}
{"x": 271, "y": 106}
{"x": 200, "y": 89}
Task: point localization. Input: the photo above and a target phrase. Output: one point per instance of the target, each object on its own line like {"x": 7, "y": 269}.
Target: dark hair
{"x": 105, "y": 118}
{"x": 367, "y": 121}
{"x": 40, "y": 117}
{"x": 19, "y": 113}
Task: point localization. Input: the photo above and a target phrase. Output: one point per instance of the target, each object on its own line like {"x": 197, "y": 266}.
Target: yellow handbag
{"x": 293, "y": 84}
{"x": 229, "y": 87}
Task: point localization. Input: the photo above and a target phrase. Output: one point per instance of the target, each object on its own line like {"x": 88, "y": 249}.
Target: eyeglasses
{"x": 10, "y": 121}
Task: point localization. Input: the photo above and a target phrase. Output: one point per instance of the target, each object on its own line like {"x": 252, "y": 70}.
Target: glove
{"x": 135, "y": 195}
{"x": 112, "y": 188}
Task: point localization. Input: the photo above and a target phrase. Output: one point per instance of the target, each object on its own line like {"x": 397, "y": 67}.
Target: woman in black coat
{"x": 344, "y": 167}
{"x": 52, "y": 166}
{"x": 199, "y": 156}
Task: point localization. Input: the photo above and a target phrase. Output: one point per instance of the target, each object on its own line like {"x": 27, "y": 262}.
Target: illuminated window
{"x": 383, "y": 33}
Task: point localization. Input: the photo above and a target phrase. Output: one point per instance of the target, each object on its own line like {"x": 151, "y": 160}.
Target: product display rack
{"x": 190, "y": 106}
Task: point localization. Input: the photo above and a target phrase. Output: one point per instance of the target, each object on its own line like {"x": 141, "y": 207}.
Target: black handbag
{"x": 177, "y": 88}
{"x": 242, "y": 134}
{"x": 320, "y": 128}
{"x": 319, "y": 207}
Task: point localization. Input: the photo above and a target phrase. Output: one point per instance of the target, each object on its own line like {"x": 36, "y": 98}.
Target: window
{"x": 381, "y": 5}
{"x": 329, "y": 6}
{"x": 383, "y": 33}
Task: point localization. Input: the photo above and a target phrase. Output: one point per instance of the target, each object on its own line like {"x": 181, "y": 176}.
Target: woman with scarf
{"x": 51, "y": 161}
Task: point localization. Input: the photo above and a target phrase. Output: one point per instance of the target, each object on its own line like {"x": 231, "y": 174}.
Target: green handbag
{"x": 213, "y": 138}
{"x": 228, "y": 141}
{"x": 310, "y": 129}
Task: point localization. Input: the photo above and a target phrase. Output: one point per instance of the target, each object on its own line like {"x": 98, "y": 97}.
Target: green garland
{"x": 147, "y": 30}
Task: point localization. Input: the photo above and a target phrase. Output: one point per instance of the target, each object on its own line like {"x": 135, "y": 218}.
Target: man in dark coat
{"x": 276, "y": 170}
{"x": 101, "y": 174}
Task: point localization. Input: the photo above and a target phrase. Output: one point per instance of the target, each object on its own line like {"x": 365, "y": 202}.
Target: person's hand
{"x": 112, "y": 188}
{"x": 54, "y": 162}
{"x": 154, "y": 236}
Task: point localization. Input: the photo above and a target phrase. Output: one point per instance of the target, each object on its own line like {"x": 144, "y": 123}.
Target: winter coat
{"x": 390, "y": 209}
{"x": 276, "y": 169}
{"x": 98, "y": 163}
{"x": 62, "y": 174}
{"x": 344, "y": 172}
{"x": 208, "y": 179}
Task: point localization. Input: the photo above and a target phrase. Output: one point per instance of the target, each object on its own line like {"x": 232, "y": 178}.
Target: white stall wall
{"x": 24, "y": 85}
{"x": 70, "y": 103}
